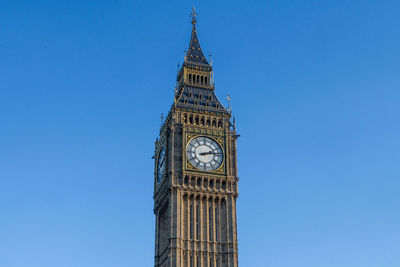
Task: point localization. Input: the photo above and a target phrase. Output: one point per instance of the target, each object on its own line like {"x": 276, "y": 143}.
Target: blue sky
{"x": 314, "y": 88}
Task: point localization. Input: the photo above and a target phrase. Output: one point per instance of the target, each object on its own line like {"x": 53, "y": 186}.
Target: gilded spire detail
{"x": 194, "y": 17}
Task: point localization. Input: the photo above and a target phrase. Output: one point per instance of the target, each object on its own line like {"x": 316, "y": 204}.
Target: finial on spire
{"x": 228, "y": 97}
{"x": 175, "y": 92}
{"x": 194, "y": 16}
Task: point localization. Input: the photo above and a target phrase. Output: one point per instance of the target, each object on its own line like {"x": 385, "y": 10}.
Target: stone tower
{"x": 196, "y": 182}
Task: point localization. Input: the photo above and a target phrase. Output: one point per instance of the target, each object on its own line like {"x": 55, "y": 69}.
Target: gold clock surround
{"x": 220, "y": 142}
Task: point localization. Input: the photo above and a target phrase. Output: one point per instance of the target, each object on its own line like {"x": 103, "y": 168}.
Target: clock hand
{"x": 209, "y": 152}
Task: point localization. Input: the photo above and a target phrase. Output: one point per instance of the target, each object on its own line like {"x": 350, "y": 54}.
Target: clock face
{"x": 204, "y": 153}
{"x": 161, "y": 164}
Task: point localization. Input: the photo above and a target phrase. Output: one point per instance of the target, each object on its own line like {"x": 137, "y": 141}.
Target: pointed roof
{"x": 194, "y": 53}
{"x": 200, "y": 99}
{"x": 196, "y": 96}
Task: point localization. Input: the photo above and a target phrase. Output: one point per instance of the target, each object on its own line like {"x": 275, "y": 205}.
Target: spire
{"x": 194, "y": 53}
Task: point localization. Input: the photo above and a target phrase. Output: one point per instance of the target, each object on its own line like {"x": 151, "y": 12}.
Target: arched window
{"x": 202, "y": 120}
{"x": 186, "y": 181}
{"x": 216, "y": 223}
{"x": 214, "y": 123}
{"x": 191, "y": 119}
{"x": 208, "y": 123}
{"x": 198, "y": 78}
{"x": 205, "y": 80}
{"x": 196, "y": 119}
{"x": 223, "y": 185}
{"x": 197, "y": 221}
{"x": 219, "y": 124}
{"x": 190, "y": 77}
{"x": 191, "y": 225}
{"x": 210, "y": 224}
{"x": 201, "y": 79}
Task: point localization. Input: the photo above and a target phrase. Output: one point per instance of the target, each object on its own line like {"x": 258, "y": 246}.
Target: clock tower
{"x": 195, "y": 177}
